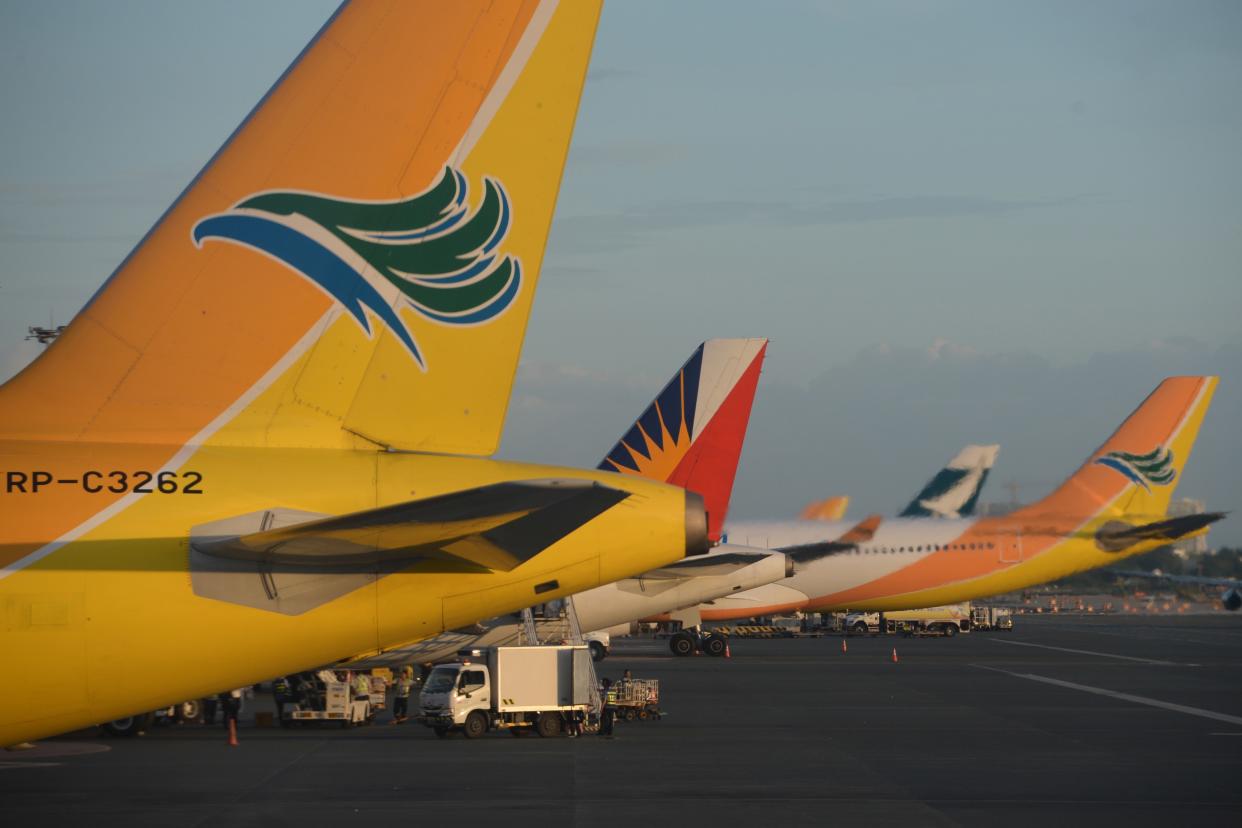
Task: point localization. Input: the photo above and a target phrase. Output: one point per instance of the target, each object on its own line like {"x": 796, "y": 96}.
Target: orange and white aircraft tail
{"x": 692, "y": 433}
{"x": 832, "y": 508}
{"x": 1133, "y": 474}
{"x": 356, "y": 265}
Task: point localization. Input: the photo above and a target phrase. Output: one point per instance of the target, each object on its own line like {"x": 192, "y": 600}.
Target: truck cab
{"x": 452, "y": 692}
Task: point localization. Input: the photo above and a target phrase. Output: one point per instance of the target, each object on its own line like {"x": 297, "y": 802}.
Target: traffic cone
{"x": 728, "y": 653}
{"x": 844, "y": 647}
{"x": 894, "y": 655}
{"x": 233, "y": 733}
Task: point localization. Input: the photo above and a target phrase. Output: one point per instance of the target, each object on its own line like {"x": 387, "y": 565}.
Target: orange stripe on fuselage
{"x": 180, "y": 333}
{"x": 1041, "y": 525}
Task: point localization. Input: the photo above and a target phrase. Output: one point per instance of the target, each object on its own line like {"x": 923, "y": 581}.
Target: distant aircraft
{"x": 251, "y": 452}
{"x": 1230, "y": 588}
{"x": 832, "y": 508}
{"x": 952, "y": 492}
{"x": 691, "y": 435}
{"x": 1114, "y": 506}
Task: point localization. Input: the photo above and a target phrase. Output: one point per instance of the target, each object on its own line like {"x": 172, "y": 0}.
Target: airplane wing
{"x": 491, "y": 528}
{"x": 862, "y": 532}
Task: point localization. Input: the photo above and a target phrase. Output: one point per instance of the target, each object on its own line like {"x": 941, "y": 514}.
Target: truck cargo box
{"x": 541, "y": 678}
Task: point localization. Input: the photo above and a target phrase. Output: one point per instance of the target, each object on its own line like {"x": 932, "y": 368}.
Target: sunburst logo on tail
{"x": 430, "y": 253}
{"x": 1152, "y": 469}
{"x": 660, "y": 438}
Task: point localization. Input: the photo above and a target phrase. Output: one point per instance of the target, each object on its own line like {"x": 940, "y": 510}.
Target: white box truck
{"x": 509, "y": 688}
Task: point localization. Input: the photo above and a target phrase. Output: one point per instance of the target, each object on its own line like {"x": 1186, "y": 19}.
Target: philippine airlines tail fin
{"x": 356, "y": 265}
{"x": 691, "y": 435}
{"x": 954, "y": 491}
{"x": 831, "y": 509}
{"x": 1134, "y": 473}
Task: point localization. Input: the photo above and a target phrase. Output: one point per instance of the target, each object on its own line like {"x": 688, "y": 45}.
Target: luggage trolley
{"x": 637, "y": 699}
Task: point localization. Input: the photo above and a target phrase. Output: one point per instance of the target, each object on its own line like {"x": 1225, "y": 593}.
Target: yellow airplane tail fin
{"x": 1137, "y": 469}
{"x": 356, "y": 265}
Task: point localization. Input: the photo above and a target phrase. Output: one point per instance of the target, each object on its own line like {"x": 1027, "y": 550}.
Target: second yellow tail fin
{"x": 1136, "y": 470}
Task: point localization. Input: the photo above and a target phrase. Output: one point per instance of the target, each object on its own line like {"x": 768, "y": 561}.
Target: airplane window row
{"x": 930, "y": 547}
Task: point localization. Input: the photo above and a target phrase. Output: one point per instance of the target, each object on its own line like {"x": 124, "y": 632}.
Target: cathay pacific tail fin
{"x": 954, "y": 491}
{"x": 692, "y": 433}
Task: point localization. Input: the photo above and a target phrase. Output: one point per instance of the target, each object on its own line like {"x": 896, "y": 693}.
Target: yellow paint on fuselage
{"x": 218, "y": 360}
{"x": 115, "y": 610}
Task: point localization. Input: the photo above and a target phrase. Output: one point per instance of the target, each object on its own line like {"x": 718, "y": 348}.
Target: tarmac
{"x": 1064, "y": 721}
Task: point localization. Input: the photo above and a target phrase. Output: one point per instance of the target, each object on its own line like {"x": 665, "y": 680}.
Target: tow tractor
{"x": 330, "y": 698}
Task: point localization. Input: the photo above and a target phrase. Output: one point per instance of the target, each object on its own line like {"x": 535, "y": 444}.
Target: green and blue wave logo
{"x": 430, "y": 252}
{"x": 1152, "y": 469}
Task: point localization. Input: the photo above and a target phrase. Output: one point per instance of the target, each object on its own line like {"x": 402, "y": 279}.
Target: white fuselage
{"x": 897, "y": 543}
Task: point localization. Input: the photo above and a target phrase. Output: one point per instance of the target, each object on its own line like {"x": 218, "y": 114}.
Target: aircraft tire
{"x": 682, "y": 644}
{"x": 190, "y": 711}
{"x": 598, "y": 652}
{"x": 127, "y": 727}
{"x": 714, "y": 645}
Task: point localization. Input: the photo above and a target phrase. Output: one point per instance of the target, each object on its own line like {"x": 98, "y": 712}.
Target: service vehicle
{"x": 330, "y": 698}
{"x": 991, "y": 618}
{"x": 947, "y": 621}
{"x": 520, "y": 689}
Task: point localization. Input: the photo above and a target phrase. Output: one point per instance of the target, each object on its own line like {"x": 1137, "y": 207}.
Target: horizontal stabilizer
{"x": 495, "y": 528}
{"x": 862, "y": 532}
{"x": 721, "y": 561}
{"x": 1115, "y": 536}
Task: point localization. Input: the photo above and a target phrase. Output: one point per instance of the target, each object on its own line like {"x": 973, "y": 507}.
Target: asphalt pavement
{"x": 1064, "y": 721}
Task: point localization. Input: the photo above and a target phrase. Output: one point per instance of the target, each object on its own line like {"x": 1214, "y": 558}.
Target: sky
{"x": 956, "y": 221}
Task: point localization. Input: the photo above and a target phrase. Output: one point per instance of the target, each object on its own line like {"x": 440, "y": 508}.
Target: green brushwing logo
{"x": 430, "y": 252}
{"x": 1152, "y": 469}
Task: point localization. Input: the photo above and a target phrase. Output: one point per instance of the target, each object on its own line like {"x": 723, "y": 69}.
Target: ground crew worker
{"x": 401, "y": 696}
{"x": 362, "y": 687}
{"x": 282, "y": 694}
{"x": 610, "y": 709}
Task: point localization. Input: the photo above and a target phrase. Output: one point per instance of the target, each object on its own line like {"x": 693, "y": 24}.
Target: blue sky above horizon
{"x": 1052, "y": 184}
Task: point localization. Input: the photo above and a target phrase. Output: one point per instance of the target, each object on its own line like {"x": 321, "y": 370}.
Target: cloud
{"x": 608, "y": 232}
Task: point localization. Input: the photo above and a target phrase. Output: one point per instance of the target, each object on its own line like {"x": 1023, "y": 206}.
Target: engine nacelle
{"x": 1232, "y": 599}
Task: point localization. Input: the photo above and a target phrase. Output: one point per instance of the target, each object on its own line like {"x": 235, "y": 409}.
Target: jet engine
{"x": 1232, "y": 599}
